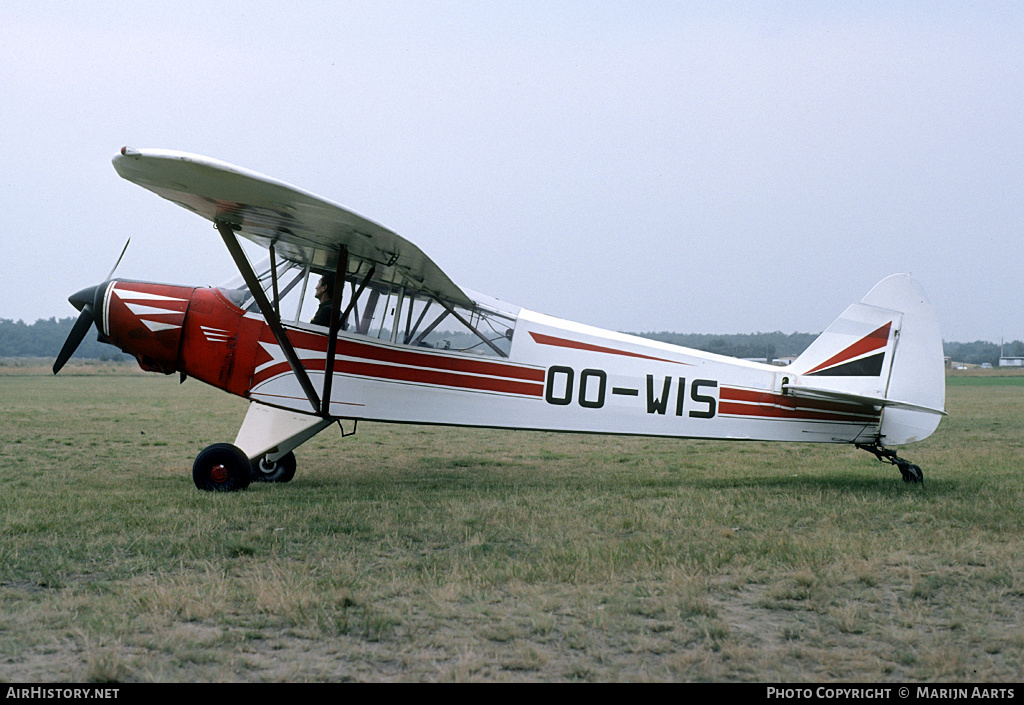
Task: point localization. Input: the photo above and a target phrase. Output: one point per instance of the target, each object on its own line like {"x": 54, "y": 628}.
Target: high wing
{"x": 301, "y": 226}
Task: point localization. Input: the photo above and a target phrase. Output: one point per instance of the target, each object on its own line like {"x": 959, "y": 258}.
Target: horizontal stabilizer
{"x": 870, "y": 400}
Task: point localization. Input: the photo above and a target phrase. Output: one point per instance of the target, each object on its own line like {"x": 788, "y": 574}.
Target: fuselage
{"x": 555, "y": 375}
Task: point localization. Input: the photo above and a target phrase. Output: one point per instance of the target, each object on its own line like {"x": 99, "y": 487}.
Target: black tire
{"x": 280, "y": 470}
{"x": 911, "y": 473}
{"x": 221, "y": 467}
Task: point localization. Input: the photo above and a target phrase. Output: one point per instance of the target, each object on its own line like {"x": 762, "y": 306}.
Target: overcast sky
{"x": 706, "y": 167}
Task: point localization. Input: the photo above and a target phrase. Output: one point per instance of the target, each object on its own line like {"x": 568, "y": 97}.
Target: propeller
{"x": 87, "y": 301}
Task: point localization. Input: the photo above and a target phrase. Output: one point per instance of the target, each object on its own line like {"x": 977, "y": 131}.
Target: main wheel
{"x": 221, "y": 467}
{"x": 280, "y": 470}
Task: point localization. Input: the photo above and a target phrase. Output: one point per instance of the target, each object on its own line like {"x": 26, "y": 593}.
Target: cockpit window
{"x": 386, "y": 311}
{"x": 289, "y": 276}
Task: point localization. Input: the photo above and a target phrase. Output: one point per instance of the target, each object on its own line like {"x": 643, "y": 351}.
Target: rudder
{"x": 918, "y": 370}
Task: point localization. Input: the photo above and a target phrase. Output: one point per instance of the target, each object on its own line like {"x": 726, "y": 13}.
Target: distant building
{"x": 1011, "y": 362}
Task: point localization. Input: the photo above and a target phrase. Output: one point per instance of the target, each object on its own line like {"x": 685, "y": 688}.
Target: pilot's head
{"x": 325, "y": 288}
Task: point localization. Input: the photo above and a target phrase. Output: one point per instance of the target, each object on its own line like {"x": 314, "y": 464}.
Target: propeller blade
{"x": 84, "y": 300}
{"x": 75, "y": 337}
{"x": 119, "y": 259}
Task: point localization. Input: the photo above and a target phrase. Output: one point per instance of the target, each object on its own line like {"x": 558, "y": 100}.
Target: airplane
{"x": 398, "y": 341}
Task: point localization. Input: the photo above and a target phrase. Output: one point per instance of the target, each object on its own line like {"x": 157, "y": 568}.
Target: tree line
{"x": 981, "y": 351}
{"x": 45, "y": 337}
{"x": 761, "y": 346}
{"x": 781, "y": 345}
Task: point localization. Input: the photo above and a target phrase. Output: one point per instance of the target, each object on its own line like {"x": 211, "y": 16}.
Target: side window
{"x": 381, "y": 310}
{"x": 443, "y": 326}
{"x": 367, "y": 307}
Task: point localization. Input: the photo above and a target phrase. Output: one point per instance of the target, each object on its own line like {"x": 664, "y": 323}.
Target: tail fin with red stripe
{"x": 886, "y": 351}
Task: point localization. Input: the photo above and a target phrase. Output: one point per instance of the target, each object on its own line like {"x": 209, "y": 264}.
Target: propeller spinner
{"x": 88, "y": 301}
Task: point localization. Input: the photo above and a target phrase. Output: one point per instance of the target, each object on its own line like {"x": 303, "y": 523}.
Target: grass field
{"x": 411, "y": 553}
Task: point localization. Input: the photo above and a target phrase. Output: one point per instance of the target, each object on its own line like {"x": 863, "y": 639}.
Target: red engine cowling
{"x": 145, "y": 320}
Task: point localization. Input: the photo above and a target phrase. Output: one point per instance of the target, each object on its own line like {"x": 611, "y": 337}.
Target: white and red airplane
{"x": 400, "y": 342}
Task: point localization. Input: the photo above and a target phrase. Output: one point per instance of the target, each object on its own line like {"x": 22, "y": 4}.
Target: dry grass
{"x": 411, "y": 553}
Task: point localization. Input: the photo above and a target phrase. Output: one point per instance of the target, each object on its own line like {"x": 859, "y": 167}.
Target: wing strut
{"x": 332, "y": 337}
{"x": 273, "y": 279}
{"x": 448, "y": 307}
{"x": 268, "y": 311}
{"x": 356, "y": 293}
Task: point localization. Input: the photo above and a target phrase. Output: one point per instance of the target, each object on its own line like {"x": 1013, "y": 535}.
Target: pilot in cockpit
{"x": 324, "y": 293}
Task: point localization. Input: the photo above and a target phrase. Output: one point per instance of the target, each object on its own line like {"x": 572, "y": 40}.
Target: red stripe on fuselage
{"x": 749, "y": 402}
{"x": 419, "y": 375}
{"x": 543, "y": 339}
{"x": 412, "y": 356}
{"x": 408, "y": 366}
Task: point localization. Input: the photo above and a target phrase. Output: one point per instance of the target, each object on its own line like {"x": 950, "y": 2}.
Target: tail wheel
{"x": 280, "y": 470}
{"x": 911, "y": 473}
{"x": 221, "y": 467}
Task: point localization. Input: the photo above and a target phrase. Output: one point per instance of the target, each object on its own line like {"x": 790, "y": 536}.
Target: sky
{"x": 695, "y": 167}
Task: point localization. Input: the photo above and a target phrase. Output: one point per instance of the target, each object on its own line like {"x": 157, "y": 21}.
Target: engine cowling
{"x": 145, "y": 320}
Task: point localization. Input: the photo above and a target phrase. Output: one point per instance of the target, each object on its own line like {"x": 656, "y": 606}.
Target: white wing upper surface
{"x": 303, "y": 227}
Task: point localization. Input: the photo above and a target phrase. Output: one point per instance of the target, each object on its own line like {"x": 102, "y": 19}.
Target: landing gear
{"x": 911, "y": 473}
{"x": 280, "y": 470}
{"x": 221, "y": 467}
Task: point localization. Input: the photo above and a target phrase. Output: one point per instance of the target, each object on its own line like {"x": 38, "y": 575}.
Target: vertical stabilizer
{"x": 885, "y": 350}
